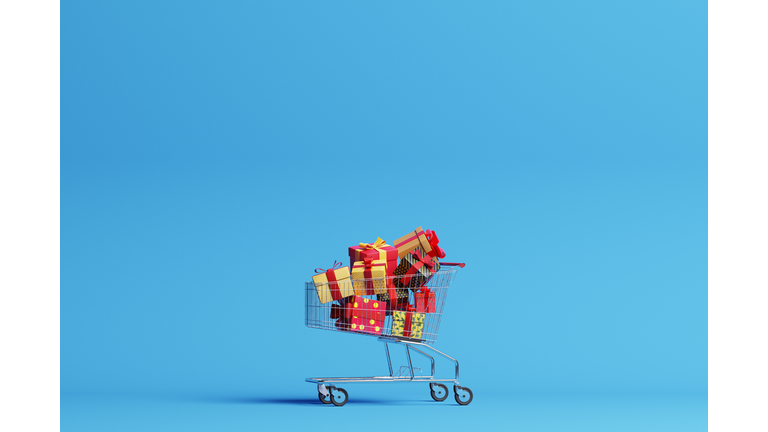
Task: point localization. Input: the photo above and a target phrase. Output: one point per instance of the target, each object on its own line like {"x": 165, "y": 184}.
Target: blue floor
{"x": 382, "y": 407}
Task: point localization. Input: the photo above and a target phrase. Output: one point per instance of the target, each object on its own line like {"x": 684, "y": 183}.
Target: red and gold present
{"x": 424, "y": 300}
{"x": 364, "y": 271}
{"x": 333, "y": 284}
{"x": 411, "y": 241}
{"x": 408, "y": 323}
{"x": 368, "y": 308}
{"x": 366, "y": 325}
{"x": 367, "y": 315}
{"x": 378, "y": 250}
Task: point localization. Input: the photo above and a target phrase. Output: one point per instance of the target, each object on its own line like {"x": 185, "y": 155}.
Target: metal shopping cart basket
{"x": 330, "y": 316}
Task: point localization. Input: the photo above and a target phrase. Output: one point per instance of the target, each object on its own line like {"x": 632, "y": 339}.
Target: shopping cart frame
{"x": 329, "y": 393}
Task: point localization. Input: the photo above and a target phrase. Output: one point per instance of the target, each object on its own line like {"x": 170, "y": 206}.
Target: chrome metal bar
{"x": 439, "y": 352}
{"x": 410, "y": 364}
{"x": 389, "y": 361}
{"x": 330, "y": 380}
{"x": 431, "y": 359}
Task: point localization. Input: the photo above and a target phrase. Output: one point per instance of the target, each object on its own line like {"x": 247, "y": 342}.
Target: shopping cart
{"x": 322, "y": 316}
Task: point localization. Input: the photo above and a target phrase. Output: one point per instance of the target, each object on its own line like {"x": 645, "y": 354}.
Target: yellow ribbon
{"x": 378, "y": 244}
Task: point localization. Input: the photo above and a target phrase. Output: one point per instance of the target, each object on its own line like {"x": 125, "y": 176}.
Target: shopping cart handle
{"x": 452, "y": 264}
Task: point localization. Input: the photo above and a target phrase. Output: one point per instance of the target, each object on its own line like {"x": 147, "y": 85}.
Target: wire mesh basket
{"x": 376, "y": 292}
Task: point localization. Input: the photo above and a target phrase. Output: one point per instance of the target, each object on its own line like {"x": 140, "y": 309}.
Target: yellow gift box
{"x": 364, "y": 270}
{"x": 333, "y": 284}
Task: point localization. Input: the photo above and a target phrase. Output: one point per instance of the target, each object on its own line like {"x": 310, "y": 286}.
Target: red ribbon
{"x": 420, "y": 262}
{"x": 407, "y": 329}
{"x": 408, "y": 318}
{"x": 333, "y": 284}
{"x": 368, "y": 273}
{"x": 336, "y": 266}
{"x": 393, "y": 300}
{"x": 433, "y": 241}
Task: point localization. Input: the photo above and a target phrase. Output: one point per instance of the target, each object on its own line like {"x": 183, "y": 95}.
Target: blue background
{"x": 214, "y": 153}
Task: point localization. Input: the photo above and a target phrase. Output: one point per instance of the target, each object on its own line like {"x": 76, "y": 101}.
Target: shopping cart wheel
{"x": 339, "y": 396}
{"x": 463, "y": 395}
{"x": 324, "y": 399}
{"x": 439, "y": 391}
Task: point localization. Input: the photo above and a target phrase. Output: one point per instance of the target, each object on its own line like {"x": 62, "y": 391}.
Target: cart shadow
{"x": 311, "y": 401}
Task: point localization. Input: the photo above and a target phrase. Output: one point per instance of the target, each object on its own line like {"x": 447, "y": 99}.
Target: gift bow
{"x": 378, "y": 244}
{"x": 333, "y": 284}
{"x": 421, "y": 261}
{"x": 336, "y": 266}
{"x": 433, "y": 241}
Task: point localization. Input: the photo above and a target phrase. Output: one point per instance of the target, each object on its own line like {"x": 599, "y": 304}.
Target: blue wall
{"x": 214, "y": 154}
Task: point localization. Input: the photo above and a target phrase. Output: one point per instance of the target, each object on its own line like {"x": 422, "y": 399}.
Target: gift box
{"x": 367, "y": 308}
{"x": 367, "y": 315}
{"x": 362, "y": 270}
{"x": 377, "y": 250}
{"x": 424, "y": 300}
{"x": 400, "y": 295}
{"x": 411, "y": 241}
{"x": 415, "y": 269}
{"x": 408, "y": 324}
{"x": 333, "y": 284}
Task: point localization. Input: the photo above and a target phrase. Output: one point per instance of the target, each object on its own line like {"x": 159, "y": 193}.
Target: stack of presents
{"x": 386, "y": 274}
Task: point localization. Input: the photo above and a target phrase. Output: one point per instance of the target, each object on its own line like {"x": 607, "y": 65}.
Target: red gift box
{"x": 367, "y": 325}
{"x": 374, "y": 251}
{"x": 367, "y": 315}
{"x": 368, "y": 308}
{"x": 425, "y": 300}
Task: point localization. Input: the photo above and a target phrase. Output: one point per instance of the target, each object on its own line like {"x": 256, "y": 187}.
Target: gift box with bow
{"x": 400, "y": 295}
{"x": 415, "y": 269}
{"x": 378, "y": 250}
{"x": 367, "y": 315}
{"x": 364, "y": 271}
{"x": 427, "y": 241}
{"x": 333, "y": 284}
{"x": 424, "y": 300}
{"x": 408, "y": 323}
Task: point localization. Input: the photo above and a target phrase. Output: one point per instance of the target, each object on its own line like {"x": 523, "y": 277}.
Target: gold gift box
{"x": 325, "y": 289}
{"x": 378, "y": 269}
{"x": 411, "y": 241}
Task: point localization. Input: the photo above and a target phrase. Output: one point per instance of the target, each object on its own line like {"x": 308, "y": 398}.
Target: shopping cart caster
{"x": 439, "y": 391}
{"x": 339, "y": 396}
{"x": 324, "y": 399}
{"x": 463, "y": 395}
